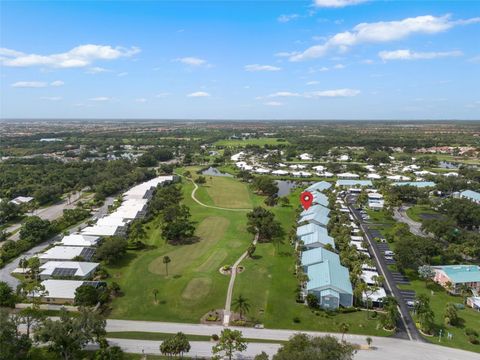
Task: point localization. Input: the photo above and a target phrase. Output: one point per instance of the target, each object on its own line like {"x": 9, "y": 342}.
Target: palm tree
{"x": 241, "y": 305}
{"x": 155, "y": 293}
{"x": 166, "y": 260}
{"x": 344, "y": 327}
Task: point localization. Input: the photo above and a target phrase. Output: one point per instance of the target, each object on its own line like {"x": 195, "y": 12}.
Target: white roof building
{"x": 78, "y": 269}
{"x": 348, "y": 175}
{"x": 279, "y": 172}
{"x": 79, "y": 240}
{"x": 21, "y": 200}
{"x": 262, "y": 171}
{"x": 398, "y": 178}
{"x": 305, "y": 157}
{"x": 319, "y": 168}
{"x": 374, "y": 176}
{"x": 301, "y": 174}
{"x": 344, "y": 158}
{"x": 63, "y": 253}
{"x": 237, "y": 156}
{"x": 368, "y": 277}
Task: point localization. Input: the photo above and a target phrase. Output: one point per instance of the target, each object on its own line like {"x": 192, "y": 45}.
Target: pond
{"x": 286, "y": 186}
{"x": 211, "y": 171}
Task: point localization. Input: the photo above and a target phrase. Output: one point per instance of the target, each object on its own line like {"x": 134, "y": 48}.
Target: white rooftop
{"x": 61, "y": 252}
{"x": 61, "y": 289}
{"x": 82, "y": 268}
{"x": 79, "y": 240}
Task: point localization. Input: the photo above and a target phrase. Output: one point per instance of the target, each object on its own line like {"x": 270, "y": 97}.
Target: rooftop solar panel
{"x": 87, "y": 253}
{"x": 64, "y": 272}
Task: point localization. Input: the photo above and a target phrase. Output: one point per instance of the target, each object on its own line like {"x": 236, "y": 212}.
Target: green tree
{"x": 201, "y": 180}
{"x": 426, "y": 272}
{"x": 262, "y": 356}
{"x": 68, "y": 335}
{"x": 112, "y": 249}
{"x": 87, "y": 295}
{"x": 30, "y": 317}
{"x": 312, "y": 301}
{"x": 230, "y": 342}
{"x": 175, "y": 345}
{"x": 155, "y": 293}
{"x": 166, "y": 261}
{"x": 13, "y": 344}
{"x": 110, "y": 353}
{"x": 241, "y": 305}
{"x": 424, "y": 313}
{"x": 7, "y": 296}
{"x": 389, "y": 318}
{"x": 265, "y": 185}
{"x": 263, "y": 222}
{"x": 303, "y": 347}
{"x": 451, "y": 315}
{"x": 35, "y": 229}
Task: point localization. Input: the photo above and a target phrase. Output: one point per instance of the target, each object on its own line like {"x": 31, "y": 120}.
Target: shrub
{"x": 471, "y": 332}
{"x": 296, "y": 320}
{"x": 215, "y": 337}
{"x": 473, "y": 340}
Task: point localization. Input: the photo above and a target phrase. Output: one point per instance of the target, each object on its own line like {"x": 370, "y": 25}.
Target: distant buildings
{"x": 470, "y": 195}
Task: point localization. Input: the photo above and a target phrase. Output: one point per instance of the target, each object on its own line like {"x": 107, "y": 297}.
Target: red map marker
{"x": 306, "y": 198}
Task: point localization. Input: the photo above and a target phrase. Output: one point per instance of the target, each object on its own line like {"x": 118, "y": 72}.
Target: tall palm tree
{"x": 241, "y": 305}
{"x": 155, "y": 293}
{"x": 465, "y": 291}
{"x": 166, "y": 261}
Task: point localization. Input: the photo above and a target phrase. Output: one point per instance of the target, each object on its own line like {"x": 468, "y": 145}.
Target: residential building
{"x": 61, "y": 291}
{"x": 453, "y": 277}
{"x": 70, "y": 269}
{"x": 66, "y": 253}
{"x": 79, "y": 240}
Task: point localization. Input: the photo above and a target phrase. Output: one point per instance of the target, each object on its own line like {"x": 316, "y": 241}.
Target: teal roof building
{"x": 418, "y": 184}
{"x": 319, "y": 186}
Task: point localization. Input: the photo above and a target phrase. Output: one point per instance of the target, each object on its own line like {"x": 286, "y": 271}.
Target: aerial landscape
{"x": 239, "y": 180}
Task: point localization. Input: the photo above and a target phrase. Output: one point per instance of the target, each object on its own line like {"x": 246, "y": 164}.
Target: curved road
{"x": 400, "y": 214}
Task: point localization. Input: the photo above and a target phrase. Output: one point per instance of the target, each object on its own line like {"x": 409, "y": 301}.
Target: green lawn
{"x": 194, "y": 285}
{"x": 438, "y": 300}
{"x": 260, "y": 142}
{"x": 416, "y": 211}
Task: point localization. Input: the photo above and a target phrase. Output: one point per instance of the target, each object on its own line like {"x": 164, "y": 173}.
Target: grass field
{"x": 438, "y": 300}
{"x": 194, "y": 285}
{"x": 416, "y": 211}
{"x": 260, "y": 142}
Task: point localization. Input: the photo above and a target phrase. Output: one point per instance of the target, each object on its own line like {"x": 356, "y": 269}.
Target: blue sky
{"x": 318, "y": 59}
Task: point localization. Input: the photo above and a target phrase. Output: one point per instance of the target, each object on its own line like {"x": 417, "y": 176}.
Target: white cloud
{"x": 29, "y": 84}
{"x": 273, "y": 103}
{"x": 96, "y": 70}
{"x": 57, "y": 83}
{"x": 199, "y": 94}
{"x": 287, "y": 18}
{"x": 336, "y": 3}
{"x": 313, "y": 82}
{"x": 80, "y": 56}
{"x": 162, "y": 94}
{"x": 141, "y": 100}
{"x": 284, "y": 94}
{"x": 381, "y": 32}
{"x": 122, "y": 74}
{"x": 285, "y": 54}
{"x": 333, "y": 93}
{"x": 192, "y": 61}
{"x": 51, "y": 98}
{"x": 100, "y": 99}
{"x": 412, "y": 55}
{"x": 257, "y": 67}
{"x": 339, "y": 66}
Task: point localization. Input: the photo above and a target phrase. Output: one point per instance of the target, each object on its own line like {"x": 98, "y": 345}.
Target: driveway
{"x": 400, "y": 214}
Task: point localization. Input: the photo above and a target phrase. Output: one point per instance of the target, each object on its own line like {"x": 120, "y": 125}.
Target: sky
{"x": 316, "y": 59}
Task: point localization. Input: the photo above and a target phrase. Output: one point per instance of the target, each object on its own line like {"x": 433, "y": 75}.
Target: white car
{"x": 389, "y": 253}
{"x": 388, "y": 257}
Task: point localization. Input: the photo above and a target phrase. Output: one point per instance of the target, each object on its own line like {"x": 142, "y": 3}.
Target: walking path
{"x": 228, "y": 303}
{"x": 205, "y": 205}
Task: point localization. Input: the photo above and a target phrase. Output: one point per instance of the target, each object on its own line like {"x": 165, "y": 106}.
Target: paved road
{"x": 400, "y": 214}
{"x": 406, "y": 326}
{"x": 5, "y": 272}
{"x": 49, "y": 213}
{"x": 387, "y": 348}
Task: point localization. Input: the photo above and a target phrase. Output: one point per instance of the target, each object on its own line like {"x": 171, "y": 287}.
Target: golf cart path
{"x": 233, "y": 274}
